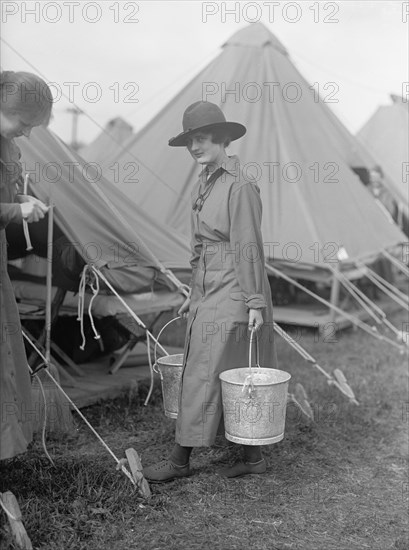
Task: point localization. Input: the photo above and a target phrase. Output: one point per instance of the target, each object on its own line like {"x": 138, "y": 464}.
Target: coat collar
{"x": 232, "y": 166}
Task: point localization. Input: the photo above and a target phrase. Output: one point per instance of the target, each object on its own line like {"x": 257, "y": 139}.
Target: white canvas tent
{"x": 315, "y": 207}
{"x": 108, "y": 142}
{"x": 386, "y": 136}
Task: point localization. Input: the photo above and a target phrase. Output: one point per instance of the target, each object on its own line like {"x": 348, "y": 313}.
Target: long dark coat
{"x": 228, "y": 279}
{"x": 15, "y": 389}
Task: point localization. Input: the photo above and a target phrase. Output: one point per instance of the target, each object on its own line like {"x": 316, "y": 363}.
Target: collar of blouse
{"x": 232, "y": 166}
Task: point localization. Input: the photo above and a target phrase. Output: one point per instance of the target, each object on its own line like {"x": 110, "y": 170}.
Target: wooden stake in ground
{"x": 12, "y": 510}
{"x": 135, "y": 466}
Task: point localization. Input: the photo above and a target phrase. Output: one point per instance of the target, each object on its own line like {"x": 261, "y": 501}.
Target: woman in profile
{"x": 25, "y": 102}
{"x": 230, "y": 292}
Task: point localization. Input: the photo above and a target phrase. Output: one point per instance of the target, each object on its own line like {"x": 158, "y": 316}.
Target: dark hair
{"x": 28, "y": 93}
{"x": 219, "y": 135}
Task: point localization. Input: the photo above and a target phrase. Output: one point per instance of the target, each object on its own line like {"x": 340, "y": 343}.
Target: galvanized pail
{"x": 170, "y": 369}
{"x": 254, "y": 403}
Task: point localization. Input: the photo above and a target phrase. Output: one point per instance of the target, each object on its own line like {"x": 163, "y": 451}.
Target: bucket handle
{"x": 157, "y": 341}
{"x": 254, "y": 331}
{"x": 248, "y": 382}
{"x": 154, "y": 369}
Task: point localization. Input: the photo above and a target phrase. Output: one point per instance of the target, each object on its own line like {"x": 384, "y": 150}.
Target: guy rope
{"x": 120, "y": 463}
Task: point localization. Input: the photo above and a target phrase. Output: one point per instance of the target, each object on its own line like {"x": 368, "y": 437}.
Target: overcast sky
{"x": 130, "y": 58}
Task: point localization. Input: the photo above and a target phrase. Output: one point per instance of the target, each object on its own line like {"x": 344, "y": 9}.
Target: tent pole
{"x": 335, "y": 288}
{"x": 49, "y": 282}
{"x": 55, "y": 308}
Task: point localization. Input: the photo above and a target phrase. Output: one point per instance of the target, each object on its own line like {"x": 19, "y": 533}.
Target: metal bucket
{"x": 170, "y": 370}
{"x": 254, "y": 403}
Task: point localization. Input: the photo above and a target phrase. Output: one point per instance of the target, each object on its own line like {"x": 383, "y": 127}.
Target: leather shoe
{"x": 244, "y": 468}
{"x": 164, "y": 471}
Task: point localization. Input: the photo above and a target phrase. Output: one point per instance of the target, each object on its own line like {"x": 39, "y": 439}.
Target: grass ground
{"x": 338, "y": 483}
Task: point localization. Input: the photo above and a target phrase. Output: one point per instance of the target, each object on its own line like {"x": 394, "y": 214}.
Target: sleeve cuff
{"x": 256, "y": 301}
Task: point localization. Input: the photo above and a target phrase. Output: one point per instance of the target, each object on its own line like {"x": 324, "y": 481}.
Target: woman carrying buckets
{"x": 230, "y": 292}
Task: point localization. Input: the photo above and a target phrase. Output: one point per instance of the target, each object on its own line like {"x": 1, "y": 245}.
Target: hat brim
{"x": 235, "y": 130}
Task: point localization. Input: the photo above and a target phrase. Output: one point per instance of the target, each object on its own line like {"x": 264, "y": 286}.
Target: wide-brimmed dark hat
{"x": 205, "y": 116}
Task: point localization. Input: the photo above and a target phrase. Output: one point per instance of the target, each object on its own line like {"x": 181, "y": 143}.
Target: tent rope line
{"x": 360, "y": 297}
{"x": 343, "y": 386}
{"x": 365, "y": 301}
{"x": 374, "y": 278}
{"x": 149, "y": 335}
{"x": 387, "y": 288}
{"x": 105, "y": 445}
{"x": 34, "y": 373}
{"x": 130, "y": 311}
{"x": 139, "y": 321}
{"x": 80, "y": 308}
{"x": 81, "y": 301}
{"x": 397, "y": 263}
{"x": 44, "y": 426}
{"x": 151, "y": 369}
{"x": 352, "y": 318}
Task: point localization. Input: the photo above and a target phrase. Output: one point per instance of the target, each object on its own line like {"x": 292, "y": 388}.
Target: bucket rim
{"x": 162, "y": 360}
{"x": 263, "y": 370}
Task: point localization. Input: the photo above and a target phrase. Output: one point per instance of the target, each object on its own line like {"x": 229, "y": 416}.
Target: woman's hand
{"x": 184, "y": 310}
{"x": 32, "y": 209}
{"x": 255, "y": 319}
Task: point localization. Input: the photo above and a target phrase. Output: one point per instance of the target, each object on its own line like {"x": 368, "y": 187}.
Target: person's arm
{"x": 10, "y": 212}
{"x": 245, "y": 211}
{"x": 26, "y": 208}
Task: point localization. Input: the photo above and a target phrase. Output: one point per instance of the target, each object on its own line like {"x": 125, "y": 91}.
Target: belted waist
{"x": 217, "y": 255}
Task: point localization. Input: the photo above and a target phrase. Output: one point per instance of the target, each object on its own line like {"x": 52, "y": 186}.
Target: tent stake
{"x": 10, "y": 506}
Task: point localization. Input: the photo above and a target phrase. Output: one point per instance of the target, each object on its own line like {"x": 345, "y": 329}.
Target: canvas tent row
{"x": 315, "y": 207}
{"x": 386, "y": 136}
{"x": 105, "y": 145}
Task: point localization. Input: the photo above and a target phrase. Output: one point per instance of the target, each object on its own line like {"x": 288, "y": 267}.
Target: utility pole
{"x": 75, "y": 114}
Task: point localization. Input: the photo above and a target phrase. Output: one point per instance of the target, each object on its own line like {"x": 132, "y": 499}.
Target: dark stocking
{"x": 252, "y": 453}
{"x": 180, "y": 455}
